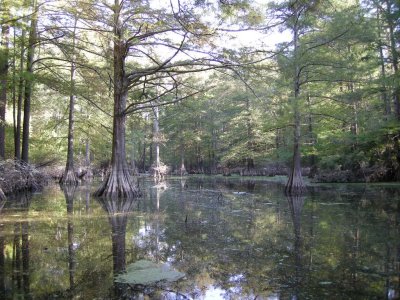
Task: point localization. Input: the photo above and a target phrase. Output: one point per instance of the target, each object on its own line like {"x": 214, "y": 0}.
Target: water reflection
{"x": 118, "y": 211}
{"x": 241, "y": 240}
{"x": 69, "y": 193}
{"x": 20, "y": 268}
{"x": 296, "y": 204}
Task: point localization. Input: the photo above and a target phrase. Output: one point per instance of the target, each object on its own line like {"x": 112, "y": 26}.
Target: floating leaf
{"x": 145, "y": 272}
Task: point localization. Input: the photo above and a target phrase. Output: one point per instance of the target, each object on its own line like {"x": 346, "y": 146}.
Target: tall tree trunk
{"x": 158, "y": 173}
{"x": 5, "y": 31}
{"x": 17, "y": 133}
{"x": 395, "y": 57}
{"x": 28, "y": 85}
{"x": 144, "y": 157}
{"x": 249, "y": 159}
{"x": 69, "y": 177}
{"x": 156, "y": 136}
{"x": 182, "y": 169}
{"x": 295, "y": 183}
{"x": 119, "y": 182}
{"x": 387, "y": 109}
{"x": 313, "y": 166}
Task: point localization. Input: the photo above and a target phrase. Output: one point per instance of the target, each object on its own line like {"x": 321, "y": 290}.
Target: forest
{"x": 122, "y": 88}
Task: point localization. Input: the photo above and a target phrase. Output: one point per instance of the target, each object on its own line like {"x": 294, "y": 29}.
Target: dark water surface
{"x": 234, "y": 239}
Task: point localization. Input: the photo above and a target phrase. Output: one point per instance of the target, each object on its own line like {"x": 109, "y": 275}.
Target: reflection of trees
{"x": 69, "y": 193}
{"x": 20, "y": 258}
{"x": 2, "y": 259}
{"x": 117, "y": 210}
{"x": 296, "y": 205}
{"x": 2, "y": 248}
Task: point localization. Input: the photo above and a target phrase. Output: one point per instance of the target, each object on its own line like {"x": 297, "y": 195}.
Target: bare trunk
{"x": 295, "y": 183}
{"x": 249, "y": 160}
{"x": 395, "y": 58}
{"x": 313, "y": 167}
{"x": 17, "y": 134}
{"x": 28, "y": 87}
{"x": 156, "y": 134}
{"x": 157, "y": 169}
{"x": 119, "y": 182}
{"x": 5, "y": 30}
{"x": 386, "y": 102}
{"x": 69, "y": 177}
{"x": 182, "y": 170}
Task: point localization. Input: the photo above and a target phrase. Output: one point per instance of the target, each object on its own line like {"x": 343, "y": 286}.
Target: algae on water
{"x": 145, "y": 272}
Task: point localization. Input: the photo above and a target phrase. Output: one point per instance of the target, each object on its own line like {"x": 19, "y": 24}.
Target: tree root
{"x": 295, "y": 185}
{"x": 118, "y": 185}
{"x": 69, "y": 178}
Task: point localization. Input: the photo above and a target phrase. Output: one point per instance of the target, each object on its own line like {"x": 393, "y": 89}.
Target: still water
{"x": 233, "y": 238}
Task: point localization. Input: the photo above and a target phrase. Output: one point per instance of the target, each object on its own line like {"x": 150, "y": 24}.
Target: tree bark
{"x": 249, "y": 159}
{"x": 182, "y": 169}
{"x": 395, "y": 58}
{"x": 158, "y": 173}
{"x": 5, "y": 31}
{"x": 387, "y": 109}
{"x": 295, "y": 184}
{"x": 17, "y": 133}
{"x": 119, "y": 183}
{"x": 28, "y": 85}
{"x": 69, "y": 177}
{"x": 156, "y": 133}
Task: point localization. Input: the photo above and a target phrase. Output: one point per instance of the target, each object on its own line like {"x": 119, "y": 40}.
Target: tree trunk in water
{"x": 182, "y": 169}
{"x": 28, "y": 86}
{"x": 156, "y": 136}
{"x": 119, "y": 182}
{"x": 295, "y": 183}
{"x": 69, "y": 177}
{"x": 158, "y": 172}
{"x": 5, "y": 30}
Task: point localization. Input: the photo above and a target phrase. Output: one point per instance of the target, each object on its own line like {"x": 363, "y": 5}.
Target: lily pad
{"x": 145, "y": 272}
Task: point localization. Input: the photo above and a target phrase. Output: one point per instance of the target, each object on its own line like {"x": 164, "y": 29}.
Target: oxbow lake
{"x": 232, "y": 238}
